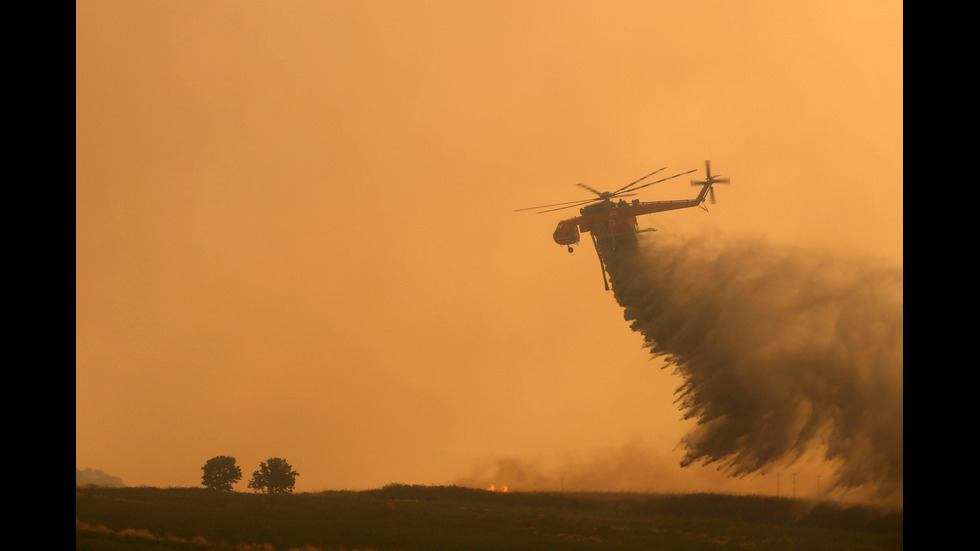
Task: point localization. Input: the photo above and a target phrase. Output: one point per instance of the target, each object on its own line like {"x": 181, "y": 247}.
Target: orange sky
{"x": 294, "y": 226}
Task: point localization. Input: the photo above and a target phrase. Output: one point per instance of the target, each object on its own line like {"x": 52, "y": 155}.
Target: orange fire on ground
{"x": 503, "y": 489}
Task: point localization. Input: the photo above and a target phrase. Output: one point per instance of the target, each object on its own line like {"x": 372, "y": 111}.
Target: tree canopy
{"x": 220, "y": 473}
{"x": 274, "y": 476}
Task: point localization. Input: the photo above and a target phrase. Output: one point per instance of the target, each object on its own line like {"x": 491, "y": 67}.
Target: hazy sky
{"x": 295, "y": 233}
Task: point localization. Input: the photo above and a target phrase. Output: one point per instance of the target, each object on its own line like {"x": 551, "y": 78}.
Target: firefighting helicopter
{"x": 613, "y": 223}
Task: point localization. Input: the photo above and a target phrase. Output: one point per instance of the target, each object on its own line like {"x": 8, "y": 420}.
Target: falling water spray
{"x": 782, "y": 353}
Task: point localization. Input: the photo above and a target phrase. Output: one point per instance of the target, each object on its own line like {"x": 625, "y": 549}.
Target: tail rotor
{"x": 710, "y": 181}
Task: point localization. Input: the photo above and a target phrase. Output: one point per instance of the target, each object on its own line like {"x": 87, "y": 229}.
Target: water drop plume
{"x": 782, "y": 352}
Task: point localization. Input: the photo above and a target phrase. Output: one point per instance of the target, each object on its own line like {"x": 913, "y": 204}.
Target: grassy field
{"x": 401, "y": 517}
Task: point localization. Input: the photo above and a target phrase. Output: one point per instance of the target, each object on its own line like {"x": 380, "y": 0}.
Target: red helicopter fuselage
{"x": 610, "y": 218}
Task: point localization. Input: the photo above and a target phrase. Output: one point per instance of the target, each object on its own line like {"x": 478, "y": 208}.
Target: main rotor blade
{"x": 663, "y": 180}
{"x": 599, "y": 193}
{"x": 555, "y": 204}
{"x": 570, "y": 206}
{"x": 638, "y": 181}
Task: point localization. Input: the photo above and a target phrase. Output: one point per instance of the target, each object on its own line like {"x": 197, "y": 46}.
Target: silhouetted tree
{"x": 274, "y": 476}
{"x": 220, "y": 473}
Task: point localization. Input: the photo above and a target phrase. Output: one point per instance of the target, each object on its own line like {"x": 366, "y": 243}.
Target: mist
{"x": 784, "y": 353}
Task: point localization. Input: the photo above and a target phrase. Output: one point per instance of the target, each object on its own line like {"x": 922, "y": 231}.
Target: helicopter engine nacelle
{"x": 566, "y": 233}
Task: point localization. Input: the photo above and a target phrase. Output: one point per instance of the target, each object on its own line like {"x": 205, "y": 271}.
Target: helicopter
{"x": 613, "y": 223}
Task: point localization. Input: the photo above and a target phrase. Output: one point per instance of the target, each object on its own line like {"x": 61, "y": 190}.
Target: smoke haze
{"x": 783, "y": 353}
{"x": 96, "y": 476}
{"x": 636, "y": 466}
{"x": 295, "y": 233}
